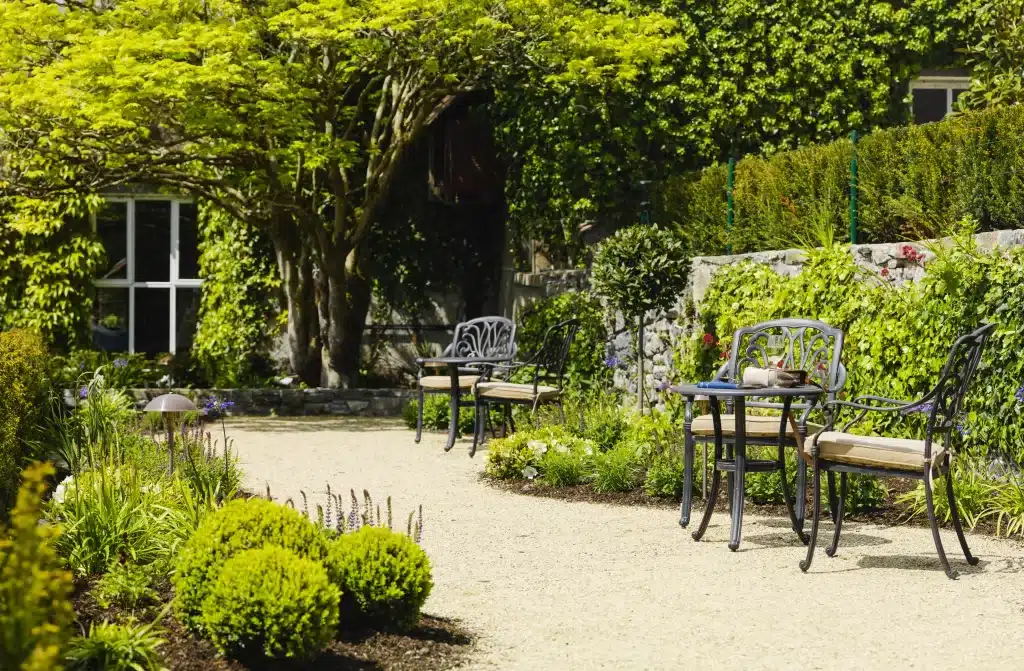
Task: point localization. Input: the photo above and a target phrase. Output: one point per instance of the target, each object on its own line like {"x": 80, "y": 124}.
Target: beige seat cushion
{"x": 874, "y": 451}
{"x": 515, "y": 392}
{"x": 445, "y": 381}
{"x": 757, "y": 426}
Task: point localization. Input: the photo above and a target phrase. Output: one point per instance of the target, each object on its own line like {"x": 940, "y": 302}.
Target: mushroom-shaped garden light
{"x": 172, "y": 407}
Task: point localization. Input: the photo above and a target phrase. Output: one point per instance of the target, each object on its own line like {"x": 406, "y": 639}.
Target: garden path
{"x": 549, "y": 584}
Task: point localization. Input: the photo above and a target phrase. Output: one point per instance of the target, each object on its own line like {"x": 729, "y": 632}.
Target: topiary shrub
{"x": 270, "y": 602}
{"x": 35, "y": 591}
{"x": 240, "y": 525}
{"x": 384, "y": 578}
{"x": 23, "y": 381}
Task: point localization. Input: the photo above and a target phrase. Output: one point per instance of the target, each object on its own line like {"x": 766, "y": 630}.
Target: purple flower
{"x": 1020, "y": 395}
{"x": 120, "y": 363}
{"x": 216, "y": 408}
{"x": 961, "y": 427}
{"x": 612, "y": 361}
{"x": 83, "y": 392}
{"x": 662, "y": 386}
{"x": 925, "y": 408}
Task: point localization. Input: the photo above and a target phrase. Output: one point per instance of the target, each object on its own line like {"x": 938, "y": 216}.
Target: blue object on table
{"x": 715, "y": 384}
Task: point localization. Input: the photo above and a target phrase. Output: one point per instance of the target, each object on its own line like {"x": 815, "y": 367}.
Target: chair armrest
{"x": 874, "y": 404}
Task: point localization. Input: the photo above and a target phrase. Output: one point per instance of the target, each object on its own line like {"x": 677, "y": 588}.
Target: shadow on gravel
{"x": 316, "y": 424}
{"x": 920, "y": 563}
{"x": 781, "y": 540}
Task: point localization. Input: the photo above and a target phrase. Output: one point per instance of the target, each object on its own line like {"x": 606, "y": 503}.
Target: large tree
{"x": 292, "y": 116}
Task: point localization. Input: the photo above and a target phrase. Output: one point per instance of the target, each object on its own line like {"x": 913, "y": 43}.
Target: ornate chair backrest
{"x": 553, "y": 354}
{"x": 807, "y": 344}
{"x": 485, "y": 337}
{"x": 948, "y": 395}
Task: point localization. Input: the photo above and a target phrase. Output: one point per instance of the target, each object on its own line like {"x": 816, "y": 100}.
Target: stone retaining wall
{"x": 664, "y": 331}
{"x": 294, "y": 402}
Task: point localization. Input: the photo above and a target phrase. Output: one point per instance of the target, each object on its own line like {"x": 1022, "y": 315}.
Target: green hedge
{"x": 897, "y": 338}
{"x": 913, "y": 182}
{"x": 23, "y": 388}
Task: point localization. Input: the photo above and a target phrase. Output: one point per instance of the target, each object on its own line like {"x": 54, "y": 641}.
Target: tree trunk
{"x": 297, "y": 279}
{"x": 349, "y": 292}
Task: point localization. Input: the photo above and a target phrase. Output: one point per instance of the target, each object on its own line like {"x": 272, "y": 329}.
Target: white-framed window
{"x": 932, "y": 97}
{"x": 147, "y": 296}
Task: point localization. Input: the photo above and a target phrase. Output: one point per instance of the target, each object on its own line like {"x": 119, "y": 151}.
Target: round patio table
{"x": 454, "y": 364}
{"x": 738, "y": 465}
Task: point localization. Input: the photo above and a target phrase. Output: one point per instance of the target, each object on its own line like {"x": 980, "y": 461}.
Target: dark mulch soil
{"x": 436, "y": 644}
{"x": 890, "y": 514}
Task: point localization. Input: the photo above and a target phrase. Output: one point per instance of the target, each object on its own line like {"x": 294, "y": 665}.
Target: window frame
{"x": 943, "y": 82}
{"x": 172, "y": 285}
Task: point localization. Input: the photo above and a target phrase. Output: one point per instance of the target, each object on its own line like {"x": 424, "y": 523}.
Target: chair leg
{"x": 801, "y": 496}
{"x": 832, "y": 501}
{"x": 478, "y": 428}
{"x": 816, "y": 517}
{"x": 930, "y": 504}
{"x": 561, "y": 411}
{"x": 712, "y": 497}
{"x": 797, "y": 523}
{"x": 687, "y": 499}
{"x": 955, "y": 512}
{"x": 419, "y": 414}
{"x": 831, "y": 549}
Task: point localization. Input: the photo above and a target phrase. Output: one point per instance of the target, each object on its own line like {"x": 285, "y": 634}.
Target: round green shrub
{"x": 240, "y": 525}
{"x": 384, "y": 578}
{"x": 271, "y": 602}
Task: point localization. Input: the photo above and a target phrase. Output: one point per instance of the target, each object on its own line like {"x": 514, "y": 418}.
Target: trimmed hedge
{"x": 23, "y": 386}
{"x": 913, "y": 182}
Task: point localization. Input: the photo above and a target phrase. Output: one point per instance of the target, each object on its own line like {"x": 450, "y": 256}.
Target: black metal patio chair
{"x": 548, "y": 365}
{"x": 807, "y": 345}
{"x": 843, "y": 452}
{"x": 476, "y": 338}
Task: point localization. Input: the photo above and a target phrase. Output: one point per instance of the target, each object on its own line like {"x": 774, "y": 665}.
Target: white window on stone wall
{"x": 147, "y": 297}
{"x": 932, "y": 96}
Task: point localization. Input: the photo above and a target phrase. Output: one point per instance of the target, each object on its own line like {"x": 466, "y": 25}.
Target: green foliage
{"x": 35, "y": 591}
{"x": 126, "y": 586}
{"x": 912, "y": 182}
{"x": 511, "y": 458}
{"x": 236, "y": 313}
{"x": 272, "y": 602}
{"x": 585, "y": 369}
{"x": 117, "y": 647}
{"x": 565, "y": 464}
{"x": 23, "y": 379}
{"x": 995, "y": 55}
{"x": 971, "y": 488}
{"x": 113, "y": 514}
{"x": 132, "y": 371}
{"x": 619, "y": 469}
{"x": 604, "y": 421}
{"x": 664, "y": 475}
{"x": 1006, "y": 503}
{"x": 384, "y": 578}
{"x": 640, "y": 268}
{"x": 238, "y": 526}
{"x": 46, "y": 273}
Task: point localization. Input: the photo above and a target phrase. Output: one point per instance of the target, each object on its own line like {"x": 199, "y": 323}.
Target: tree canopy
{"x": 291, "y": 116}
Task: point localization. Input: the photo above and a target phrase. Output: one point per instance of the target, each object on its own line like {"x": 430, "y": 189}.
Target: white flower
{"x": 62, "y": 488}
{"x": 538, "y": 446}
{"x": 559, "y": 447}
{"x": 529, "y": 472}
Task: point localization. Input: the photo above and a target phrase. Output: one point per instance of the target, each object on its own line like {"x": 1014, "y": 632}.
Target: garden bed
{"x": 435, "y": 644}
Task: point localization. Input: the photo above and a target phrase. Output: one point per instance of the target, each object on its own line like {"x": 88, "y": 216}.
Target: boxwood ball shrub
{"x": 239, "y": 526}
{"x": 384, "y": 578}
{"x": 270, "y": 602}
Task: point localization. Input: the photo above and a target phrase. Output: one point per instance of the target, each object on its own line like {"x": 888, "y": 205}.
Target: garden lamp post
{"x": 172, "y": 407}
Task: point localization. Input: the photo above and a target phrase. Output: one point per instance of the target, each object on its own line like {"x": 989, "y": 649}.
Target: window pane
{"x": 152, "y": 320}
{"x": 929, "y": 105}
{"x": 188, "y": 248}
{"x": 112, "y": 229}
{"x": 110, "y": 320}
{"x": 186, "y": 310}
{"x": 152, "y": 242}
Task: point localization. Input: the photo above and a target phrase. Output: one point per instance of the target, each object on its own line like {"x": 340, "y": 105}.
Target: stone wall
{"x": 285, "y": 402}
{"x": 664, "y": 331}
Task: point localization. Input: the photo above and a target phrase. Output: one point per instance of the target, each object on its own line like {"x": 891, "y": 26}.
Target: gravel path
{"x": 554, "y": 585}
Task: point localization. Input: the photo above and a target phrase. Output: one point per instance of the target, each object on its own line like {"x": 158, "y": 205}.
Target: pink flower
{"x": 709, "y": 340}
{"x": 885, "y": 272}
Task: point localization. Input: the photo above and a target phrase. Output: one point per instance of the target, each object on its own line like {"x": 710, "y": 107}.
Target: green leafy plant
{"x": 639, "y": 269}
{"x": 436, "y": 411}
{"x": 1007, "y": 504}
{"x": 511, "y": 458}
{"x": 384, "y": 578}
{"x": 117, "y": 647}
{"x": 604, "y": 422}
{"x": 995, "y": 55}
{"x": 23, "y": 380}
{"x": 240, "y": 525}
{"x": 127, "y": 586}
{"x": 35, "y": 590}
{"x": 271, "y": 602}
{"x": 565, "y": 464}
{"x": 664, "y": 475}
{"x": 618, "y": 469}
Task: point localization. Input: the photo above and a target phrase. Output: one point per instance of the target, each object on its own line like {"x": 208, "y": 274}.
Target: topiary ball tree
{"x": 639, "y": 269}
